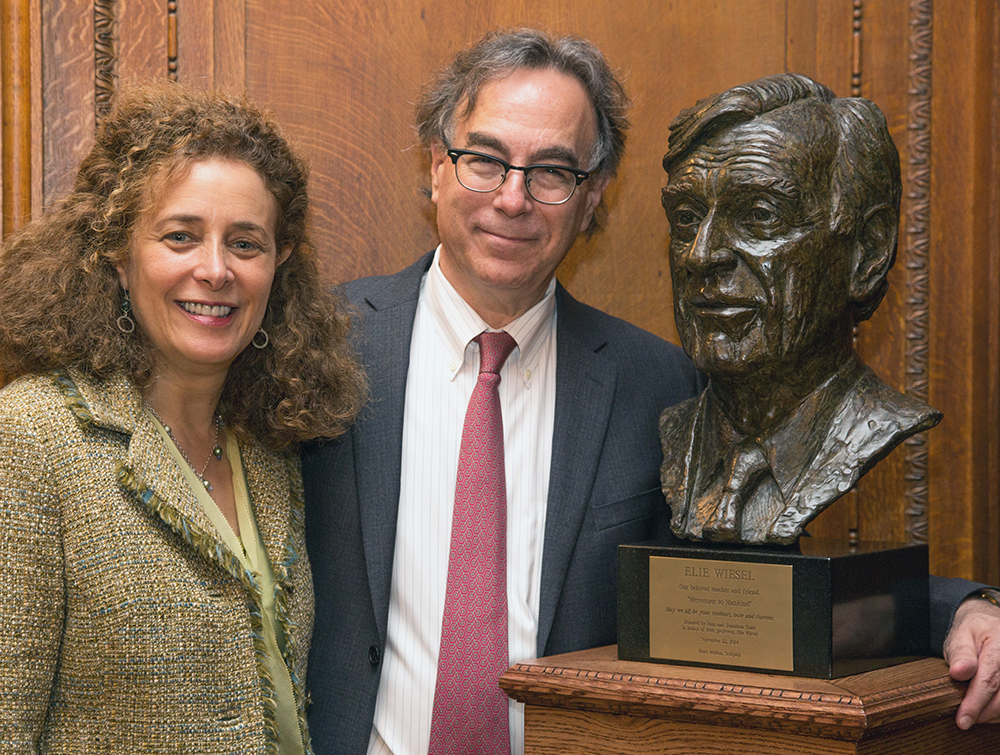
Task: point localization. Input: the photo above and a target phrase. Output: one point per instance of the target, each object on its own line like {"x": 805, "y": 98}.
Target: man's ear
{"x": 439, "y": 162}
{"x": 874, "y": 251}
{"x": 595, "y": 186}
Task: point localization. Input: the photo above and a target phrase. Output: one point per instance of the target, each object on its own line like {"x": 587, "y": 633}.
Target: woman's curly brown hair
{"x": 61, "y": 293}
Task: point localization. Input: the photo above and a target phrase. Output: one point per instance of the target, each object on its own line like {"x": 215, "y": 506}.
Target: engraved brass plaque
{"x": 731, "y": 613}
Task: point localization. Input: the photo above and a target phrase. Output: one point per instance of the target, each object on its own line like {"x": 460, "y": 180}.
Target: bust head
{"x": 783, "y": 203}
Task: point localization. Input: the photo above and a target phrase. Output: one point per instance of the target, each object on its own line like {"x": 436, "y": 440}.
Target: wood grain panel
{"x": 961, "y": 359}
{"x": 211, "y": 48}
{"x": 988, "y": 558}
{"x": 230, "y": 43}
{"x": 554, "y": 731}
{"x": 68, "y": 88}
{"x": 142, "y": 38}
{"x": 196, "y": 42}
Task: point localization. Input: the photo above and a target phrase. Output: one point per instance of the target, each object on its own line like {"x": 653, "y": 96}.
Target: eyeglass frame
{"x": 579, "y": 175}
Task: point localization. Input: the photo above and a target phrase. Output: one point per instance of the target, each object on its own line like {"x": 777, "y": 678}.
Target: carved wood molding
{"x": 105, "y": 58}
{"x": 848, "y": 708}
{"x": 857, "y": 14}
{"x": 917, "y": 230}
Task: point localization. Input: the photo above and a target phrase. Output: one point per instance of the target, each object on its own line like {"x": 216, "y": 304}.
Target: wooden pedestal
{"x": 590, "y": 702}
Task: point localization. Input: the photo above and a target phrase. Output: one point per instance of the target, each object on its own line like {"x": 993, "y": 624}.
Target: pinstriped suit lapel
{"x": 386, "y": 315}
{"x": 585, "y": 390}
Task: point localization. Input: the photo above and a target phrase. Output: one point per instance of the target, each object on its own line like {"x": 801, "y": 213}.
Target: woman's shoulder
{"x": 36, "y": 388}
{"x": 50, "y": 398}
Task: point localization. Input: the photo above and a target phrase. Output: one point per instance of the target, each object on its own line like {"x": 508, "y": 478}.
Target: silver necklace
{"x": 216, "y": 451}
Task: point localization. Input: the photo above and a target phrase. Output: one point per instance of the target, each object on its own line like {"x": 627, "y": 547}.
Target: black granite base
{"x": 853, "y": 608}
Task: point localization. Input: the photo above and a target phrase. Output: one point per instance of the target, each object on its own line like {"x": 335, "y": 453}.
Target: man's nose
{"x": 512, "y": 197}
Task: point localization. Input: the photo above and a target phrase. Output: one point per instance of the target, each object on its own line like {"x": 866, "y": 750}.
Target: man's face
{"x": 500, "y": 250}
{"x": 760, "y": 281}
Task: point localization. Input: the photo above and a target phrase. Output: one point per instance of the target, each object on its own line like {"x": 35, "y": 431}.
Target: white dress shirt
{"x": 444, "y": 367}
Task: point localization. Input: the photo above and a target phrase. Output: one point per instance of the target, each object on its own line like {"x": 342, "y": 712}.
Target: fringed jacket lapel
{"x": 147, "y": 470}
{"x": 273, "y": 507}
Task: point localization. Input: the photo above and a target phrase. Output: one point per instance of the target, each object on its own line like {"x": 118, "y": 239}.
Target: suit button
{"x": 374, "y": 655}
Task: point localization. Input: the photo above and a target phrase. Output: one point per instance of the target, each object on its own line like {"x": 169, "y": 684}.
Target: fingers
{"x": 972, "y": 650}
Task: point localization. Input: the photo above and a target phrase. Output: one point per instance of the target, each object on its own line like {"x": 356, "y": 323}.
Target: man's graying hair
{"x": 865, "y": 174}
{"x": 499, "y": 54}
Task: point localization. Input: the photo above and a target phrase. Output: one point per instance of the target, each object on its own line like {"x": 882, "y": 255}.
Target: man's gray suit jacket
{"x": 612, "y": 382}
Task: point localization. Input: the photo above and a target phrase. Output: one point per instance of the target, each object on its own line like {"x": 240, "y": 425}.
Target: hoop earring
{"x": 125, "y": 322}
{"x": 256, "y": 336}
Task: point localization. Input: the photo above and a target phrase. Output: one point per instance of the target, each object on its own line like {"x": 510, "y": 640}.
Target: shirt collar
{"x": 793, "y": 443}
{"x": 457, "y": 323}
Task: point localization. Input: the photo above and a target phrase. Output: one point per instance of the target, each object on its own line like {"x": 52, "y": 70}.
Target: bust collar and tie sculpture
{"x": 783, "y": 204}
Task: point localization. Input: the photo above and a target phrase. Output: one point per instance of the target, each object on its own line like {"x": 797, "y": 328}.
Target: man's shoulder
{"x": 382, "y": 290}
{"x": 621, "y": 339}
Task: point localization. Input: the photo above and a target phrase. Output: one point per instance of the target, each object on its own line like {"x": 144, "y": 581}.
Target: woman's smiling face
{"x": 201, "y": 263}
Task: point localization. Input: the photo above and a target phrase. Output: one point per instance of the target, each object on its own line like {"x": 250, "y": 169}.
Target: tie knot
{"x": 746, "y": 462}
{"x": 494, "y": 348}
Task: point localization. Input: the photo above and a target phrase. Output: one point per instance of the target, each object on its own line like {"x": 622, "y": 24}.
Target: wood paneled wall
{"x": 343, "y": 76}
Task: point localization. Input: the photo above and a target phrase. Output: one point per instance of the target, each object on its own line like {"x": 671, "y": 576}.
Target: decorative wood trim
{"x": 917, "y": 230}
{"x": 15, "y": 135}
{"x": 849, "y": 708}
{"x": 172, "y": 40}
{"x": 853, "y": 496}
{"x": 857, "y": 15}
{"x": 105, "y": 57}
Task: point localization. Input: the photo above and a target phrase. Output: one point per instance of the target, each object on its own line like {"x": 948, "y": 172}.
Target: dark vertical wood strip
{"x": 853, "y": 503}
{"x": 172, "y": 40}
{"x": 105, "y": 61}
{"x": 15, "y": 80}
{"x": 917, "y": 231}
{"x": 856, "y": 49}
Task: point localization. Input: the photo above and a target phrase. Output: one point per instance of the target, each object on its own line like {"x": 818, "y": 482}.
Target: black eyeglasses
{"x": 548, "y": 184}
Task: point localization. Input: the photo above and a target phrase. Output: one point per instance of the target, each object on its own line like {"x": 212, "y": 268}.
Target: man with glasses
{"x": 471, "y": 519}
{"x": 524, "y": 133}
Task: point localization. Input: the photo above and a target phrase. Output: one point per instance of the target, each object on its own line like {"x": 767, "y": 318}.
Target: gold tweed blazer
{"x": 126, "y": 625}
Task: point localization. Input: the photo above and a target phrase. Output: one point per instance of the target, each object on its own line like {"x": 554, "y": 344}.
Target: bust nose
{"x": 710, "y": 248}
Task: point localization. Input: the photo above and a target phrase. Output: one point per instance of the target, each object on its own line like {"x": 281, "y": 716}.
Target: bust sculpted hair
{"x": 866, "y": 167}
{"x": 61, "y": 292}
{"x": 453, "y": 92}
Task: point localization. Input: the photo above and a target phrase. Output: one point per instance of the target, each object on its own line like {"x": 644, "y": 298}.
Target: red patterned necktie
{"x": 470, "y": 710}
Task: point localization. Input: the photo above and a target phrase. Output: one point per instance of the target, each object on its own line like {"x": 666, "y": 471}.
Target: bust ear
{"x": 874, "y": 251}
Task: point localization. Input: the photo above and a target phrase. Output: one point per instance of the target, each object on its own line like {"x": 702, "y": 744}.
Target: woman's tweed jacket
{"x": 126, "y": 625}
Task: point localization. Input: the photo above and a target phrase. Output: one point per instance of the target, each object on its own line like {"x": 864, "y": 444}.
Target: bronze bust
{"x": 783, "y": 204}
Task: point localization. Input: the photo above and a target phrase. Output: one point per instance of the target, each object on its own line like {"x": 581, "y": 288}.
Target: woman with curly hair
{"x": 170, "y": 345}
